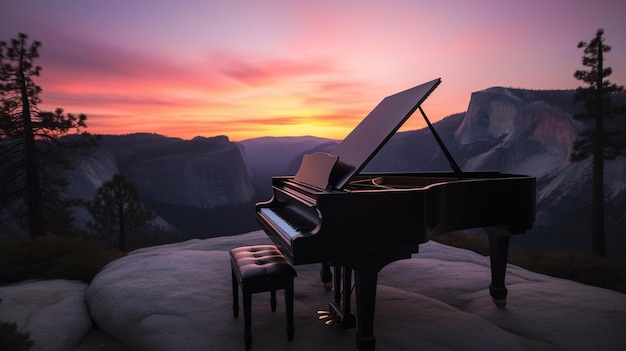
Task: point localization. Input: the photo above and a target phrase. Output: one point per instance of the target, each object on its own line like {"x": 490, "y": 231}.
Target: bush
{"x": 12, "y": 339}
{"x": 580, "y": 267}
{"x": 476, "y": 243}
{"x": 49, "y": 257}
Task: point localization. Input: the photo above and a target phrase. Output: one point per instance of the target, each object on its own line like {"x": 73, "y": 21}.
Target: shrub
{"x": 476, "y": 243}
{"x": 581, "y": 267}
{"x": 12, "y": 339}
{"x": 49, "y": 257}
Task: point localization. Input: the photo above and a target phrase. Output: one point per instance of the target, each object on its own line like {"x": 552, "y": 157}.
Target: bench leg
{"x": 247, "y": 316}
{"x": 273, "y": 300}
{"x": 289, "y": 309}
{"x": 235, "y": 294}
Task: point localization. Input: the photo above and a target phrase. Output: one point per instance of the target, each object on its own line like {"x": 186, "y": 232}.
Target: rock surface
{"x": 178, "y": 297}
{"x": 53, "y": 312}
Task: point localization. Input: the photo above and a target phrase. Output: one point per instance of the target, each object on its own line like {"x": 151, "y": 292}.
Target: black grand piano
{"x": 331, "y": 213}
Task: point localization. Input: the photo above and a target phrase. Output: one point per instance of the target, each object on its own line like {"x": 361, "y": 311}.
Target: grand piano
{"x": 333, "y": 214}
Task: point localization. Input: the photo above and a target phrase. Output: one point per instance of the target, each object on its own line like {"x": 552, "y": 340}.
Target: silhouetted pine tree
{"x": 116, "y": 209}
{"x": 596, "y": 141}
{"x": 28, "y": 141}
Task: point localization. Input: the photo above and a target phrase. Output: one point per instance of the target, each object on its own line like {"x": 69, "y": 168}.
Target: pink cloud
{"x": 310, "y": 64}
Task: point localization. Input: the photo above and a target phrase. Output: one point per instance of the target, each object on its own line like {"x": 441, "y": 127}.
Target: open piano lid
{"x": 360, "y": 146}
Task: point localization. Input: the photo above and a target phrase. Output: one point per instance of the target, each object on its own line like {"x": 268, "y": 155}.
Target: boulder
{"x": 178, "y": 297}
{"x": 52, "y": 312}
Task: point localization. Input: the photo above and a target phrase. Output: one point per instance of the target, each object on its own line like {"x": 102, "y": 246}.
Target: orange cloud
{"x": 227, "y": 94}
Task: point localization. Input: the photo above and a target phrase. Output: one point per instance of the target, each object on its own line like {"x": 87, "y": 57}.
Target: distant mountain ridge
{"x": 504, "y": 129}
{"x": 202, "y": 172}
{"x": 272, "y": 156}
{"x": 184, "y": 181}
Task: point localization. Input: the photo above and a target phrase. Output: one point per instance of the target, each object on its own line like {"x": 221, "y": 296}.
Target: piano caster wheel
{"x": 500, "y": 303}
{"x": 328, "y": 286}
{"x": 329, "y": 318}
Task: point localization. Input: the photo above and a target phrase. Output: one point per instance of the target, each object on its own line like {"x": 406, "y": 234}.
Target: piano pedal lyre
{"x": 328, "y": 317}
{"x": 326, "y": 276}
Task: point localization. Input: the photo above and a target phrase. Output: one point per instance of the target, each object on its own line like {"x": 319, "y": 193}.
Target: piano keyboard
{"x": 285, "y": 226}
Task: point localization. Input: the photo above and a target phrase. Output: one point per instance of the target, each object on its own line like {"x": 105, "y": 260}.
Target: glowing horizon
{"x": 207, "y": 68}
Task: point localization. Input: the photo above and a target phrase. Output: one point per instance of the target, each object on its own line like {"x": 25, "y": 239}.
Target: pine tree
{"x": 596, "y": 141}
{"x": 27, "y": 136}
{"x": 116, "y": 209}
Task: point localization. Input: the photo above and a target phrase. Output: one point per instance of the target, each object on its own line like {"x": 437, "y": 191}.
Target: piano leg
{"x": 498, "y": 253}
{"x": 326, "y": 276}
{"x": 366, "y": 280}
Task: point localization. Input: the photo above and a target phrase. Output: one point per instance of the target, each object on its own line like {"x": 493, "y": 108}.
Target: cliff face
{"x": 533, "y": 133}
{"x": 524, "y": 132}
{"x": 538, "y": 135}
{"x": 203, "y": 172}
{"x": 171, "y": 174}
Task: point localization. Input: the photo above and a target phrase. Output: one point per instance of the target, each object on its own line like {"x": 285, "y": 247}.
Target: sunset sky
{"x": 286, "y": 68}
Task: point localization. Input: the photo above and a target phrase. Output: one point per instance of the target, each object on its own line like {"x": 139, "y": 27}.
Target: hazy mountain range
{"x": 208, "y": 186}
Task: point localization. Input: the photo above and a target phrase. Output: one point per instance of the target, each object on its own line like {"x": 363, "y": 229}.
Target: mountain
{"x": 202, "y": 172}
{"x": 272, "y": 156}
{"x": 525, "y": 132}
{"x": 276, "y": 153}
{"x": 208, "y": 186}
{"x": 201, "y": 187}
{"x": 193, "y": 185}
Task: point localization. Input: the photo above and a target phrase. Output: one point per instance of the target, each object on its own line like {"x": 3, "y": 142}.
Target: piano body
{"x": 330, "y": 212}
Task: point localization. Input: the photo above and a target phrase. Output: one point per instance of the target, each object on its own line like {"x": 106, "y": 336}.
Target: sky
{"x": 248, "y": 69}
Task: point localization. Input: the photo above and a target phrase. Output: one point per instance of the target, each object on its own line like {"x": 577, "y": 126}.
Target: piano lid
{"x": 360, "y": 146}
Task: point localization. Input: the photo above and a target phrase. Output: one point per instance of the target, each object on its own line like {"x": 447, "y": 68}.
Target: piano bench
{"x": 261, "y": 268}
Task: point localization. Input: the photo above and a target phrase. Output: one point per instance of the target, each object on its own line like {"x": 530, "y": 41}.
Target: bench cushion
{"x": 260, "y": 263}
